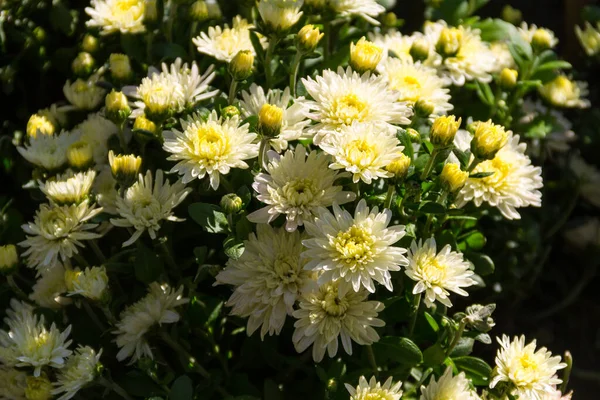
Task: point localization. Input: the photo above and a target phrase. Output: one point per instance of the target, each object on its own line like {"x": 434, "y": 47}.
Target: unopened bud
{"x": 150, "y": 11}
{"x": 270, "y": 119}
{"x": 83, "y": 64}
{"x": 199, "y": 11}
{"x": 117, "y": 108}
{"x": 399, "y": 166}
{"x": 390, "y": 20}
{"x": 364, "y": 55}
{"x": 90, "y": 43}
{"x": 142, "y": 123}
{"x": 453, "y": 178}
{"x": 542, "y": 39}
{"x": 488, "y": 139}
{"x": 449, "y": 42}
{"x": 443, "y": 130}
{"x": 308, "y": 38}
{"x": 414, "y": 135}
{"x": 512, "y": 15}
{"x": 231, "y": 203}
{"x": 230, "y": 111}
{"x": 424, "y": 108}
{"x": 124, "y": 168}
{"x": 120, "y": 66}
{"x": 242, "y": 65}
{"x": 419, "y": 50}
{"x": 39, "y": 124}
{"x": 80, "y": 155}
{"x": 39, "y": 33}
{"x": 508, "y": 78}
{"x": 279, "y": 15}
{"x": 9, "y": 259}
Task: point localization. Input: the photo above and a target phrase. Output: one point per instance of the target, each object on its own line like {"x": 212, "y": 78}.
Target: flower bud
{"x": 124, "y": 168}
{"x": 90, "y": 43}
{"x": 83, "y": 64}
{"x": 270, "y": 119}
{"x": 508, "y": 78}
{"x": 199, "y": 11}
{"x": 488, "y": 139}
{"x": 242, "y": 65}
{"x": 150, "y": 11}
{"x": 214, "y": 10}
{"x": 92, "y": 283}
{"x": 479, "y": 317}
{"x": 542, "y": 39}
{"x": 38, "y": 388}
{"x": 142, "y": 123}
{"x": 563, "y": 92}
{"x": 414, "y": 135}
{"x": 364, "y": 55}
{"x": 443, "y": 130}
{"x": 399, "y": 166}
{"x": 452, "y": 178}
{"x": 120, "y": 67}
{"x": 39, "y": 124}
{"x": 449, "y": 42}
{"x": 80, "y": 155}
{"x": 40, "y": 34}
{"x": 308, "y": 38}
{"x": 390, "y": 20}
{"x": 9, "y": 259}
{"x": 230, "y": 111}
{"x": 419, "y": 50}
{"x": 279, "y": 15}
{"x": 512, "y": 15}
{"x": 589, "y": 38}
{"x": 424, "y": 108}
{"x": 231, "y": 203}
{"x": 117, "y": 108}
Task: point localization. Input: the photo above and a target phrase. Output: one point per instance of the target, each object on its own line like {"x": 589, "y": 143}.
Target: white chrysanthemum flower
{"x": 157, "y": 307}
{"x": 48, "y": 288}
{"x": 13, "y": 383}
{"x": 195, "y": 86}
{"x": 354, "y": 250}
{"x": 223, "y": 43}
{"x": 294, "y": 119}
{"x": 325, "y": 315}
{"x": 105, "y": 188}
{"x": 343, "y": 97}
{"x": 84, "y": 95}
{"x": 56, "y": 232}
{"x": 91, "y": 283}
{"x": 564, "y": 92}
{"x": 437, "y": 274}
{"x": 158, "y": 96}
{"x": 30, "y": 343}
{"x": 589, "y": 179}
{"x": 210, "y": 147}
{"x": 280, "y": 15}
{"x": 504, "y": 58}
{"x": 532, "y": 373}
{"x": 364, "y": 150}
{"x": 111, "y": 16}
{"x": 48, "y": 151}
{"x": 513, "y": 184}
{"x": 69, "y": 188}
{"x": 399, "y": 45}
{"x": 80, "y": 369}
{"x": 373, "y": 390}
{"x": 416, "y": 82}
{"x": 449, "y": 387}
{"x": 296, "y": 185}
{"x": 528, "y": 31}
{"x": 148, "y": 202}
{"x": 268, "y": 278}
{"x": 96, "y": 131}
{"x": 366, "y": 9}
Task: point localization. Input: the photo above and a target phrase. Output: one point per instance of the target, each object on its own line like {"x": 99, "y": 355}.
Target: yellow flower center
{"x": 228, "y": 41}
{"x": 299, "y": 192}
{"x": 285, "y": 268}
{"x": 360, "y": 152}
{"x": 38, "y": 341}
{"x": 379, "y": 394}
{"x": 433, "y": 271}
{"x": 354, "y": 247}
{"x": 349, "y": 108}
{"x": 80, "y": 86}
{"x": 130, "y": 8}
{"x": 332, "y": 304}
{"x": 210, "y": 144}
{"x": 500, "y": 168}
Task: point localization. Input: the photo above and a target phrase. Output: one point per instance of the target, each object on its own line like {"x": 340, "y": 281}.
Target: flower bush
{"x": 284, "y": 199}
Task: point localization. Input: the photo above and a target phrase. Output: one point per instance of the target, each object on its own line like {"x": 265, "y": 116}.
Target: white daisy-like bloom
{"x": 280, "y": 15}
{"x": 48, "y": 288}
{"x": 80, "y": 369}
{"x": 157, "y": 307}
{"x": 268, "y": 278}
{"x": 366, "y": 9}
{"x": 532, "y": 373}
{"x": 416, "y": 82}
{"x": 96, "y": 131}
{"x": 105, "y": 188}
{"x": 294, "y": 119}
{"x": 13, "y": 383}
{"x": 212, "y": 147}
{"x": 504, "y": 58}
{"x": 515, "y": 182}
{"x": 90, "y": 283}
{"x": 324, "y": 315}
{"x": 48, "y": 151}
{"x": 364, "y": 150}
{"x": 147, "y": 203}
{"x": 69, "y": 188}
{"x": 223, "y": 43}
{"x": 84, "y": 95}
{"x": 56, "y": 232}
{"x": 528, "y": 31}
{"x": 399, "y": 45}
{"x": 354, "y": 250}
{"x": 374, "y": 390}
{"x": 449, "y": 387}
{"x": 31, "y": 343}
{"x": 111, "y": 16}
{"x": 195, "y": 86}
{"x": 589, "y": 179}
{"x": 343, "y": 97}
{"x": 296, "y": 185}
{"x": 437, "y": 274}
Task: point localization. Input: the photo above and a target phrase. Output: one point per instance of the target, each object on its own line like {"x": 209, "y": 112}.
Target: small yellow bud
{"x": 542, "y": 39}
{"x": 117, "y": 108}
{"x": 443, "y": 130}
{"x": 424, "y": 108}
{"x": 308, "y": 38}
{"x": 231, "y": 203}
{"x": 419, "y": 50}
{"x": 399, "y": 166}
{"x": 563, "y": 92}
{"x": 120, "y": 67}
{"x": 90, "y": 43}
{"x": 242, "y": 65}
{"x": 9, "y": 259}
{"x": 230, "y": 111}
{"x": 508, "y": 78}
{"x": 512, "y": 15}
{"x": 364, "y": 55}
{"x": 390, "y": 20}
{"x": 39, "y": 388}
{"x": 414, "y": 135}
{"x": 80, "y": 155}
{"x": 452, "y": 178}
{"x": 270, "y": 119}
{"x": 449, "y": 42}
{"x": 199, "y": 11}
{"x": 124, "y": 168}
{"x": 39, "y": 124}
{"x": 488, "y": 139}
{"x": 40, "y": 34}
{"x": 83, "y": 64}
{"x": 150, "y": 11}
{"x": 589, "y": 39}
{"x": 144, "y": 124}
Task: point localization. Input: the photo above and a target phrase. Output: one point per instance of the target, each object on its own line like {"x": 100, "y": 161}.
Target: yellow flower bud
{"x": 563, "y": 92}
{"x": 83, "y": 64}
{"x": 150, "y": 11}
{"x": 144, "y": 124}
{"x": 399, "y": 166}
{"x": 589, "y": 39}
{"x": 230, "y": 111}
{"x": 9, "y": 259}
{"x": 390, "y": 20}
{"x": 80, "y": 155}
{"x": 242, "y": 65}
{"x": 124, "y": 168}
{"x": 508, "y": 78}
{"x": 199, "y": 11}
{"x": 452, "y": 178}
{"x": 120, "y": 67}
{"x": 364, "y": 55}
{"x": 117, "y": 108}
{"x": 542, "y": 39}
{"x": 39, "y": 124}
{"x": 231, "y": 203}
{"x": 414, "y": 135}
{"x": 449, "y": 42}
{"x": 488, "y": 139}
{"x": 424, "y": 108}
{"x": 419, "y": 50}
{"x": 308, "y": 38}
{"x": 512, "y": 15}
{"x": 443, "y": 130}
{"x": 90, "y": 43}
{"x": 39, "y": 388}
{"x": 270, "y": 119}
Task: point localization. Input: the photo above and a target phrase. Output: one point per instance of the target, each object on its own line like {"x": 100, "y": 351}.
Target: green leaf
{"x": 553, "y": 65}
{"x": 233, "y": 247}
{"x": 431, "y": 321}
{"x": 464, "y": 347}
{"x": 483, "y": 264}
{"x": 138, "y": 384}
{"x": 427, "y": 146}
{"x": 464, "y": 157}
{"x": 484, "y": 91}
{"x": 209, "y": 217}
{"x": 200, "y": 254}
{"x": 479, "y": 175}
{"x": 169, "y": 51}
{"x": 62, "y": 19}
{"x": 476, "y": 241}
{"x": 260, "y": 51}
{"x": 475, "y": 368}
{"x": 434, "y": 355}
{"x": 400, "y": 349}
{"x": 496, "y": 29}
{"x": 133, "y": 46}
{"x": 431, "y": 207}
{"x": 182, "y": 389}
{"x": 591, "y": 14}
{"x": 148, "y": 265}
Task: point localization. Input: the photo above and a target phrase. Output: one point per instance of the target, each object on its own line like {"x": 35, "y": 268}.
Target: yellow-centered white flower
{"x": 589, "y": 38}
{"x": 449, "y": 387}
{"x": 365, "y": 9}
{"x": 112, "y": 16}
{"x": 81, "y": 368}
{"x": 48, "y": 288}
{"x": 69, "y": 188}
{"x": 48, "y": 151}
{"x": 84, "y": 95}
{"x": 504, "y": 58}
{"x": 374, "y": 390}
{"x": 280, "y": 15}
{"x": 90, "y": 283}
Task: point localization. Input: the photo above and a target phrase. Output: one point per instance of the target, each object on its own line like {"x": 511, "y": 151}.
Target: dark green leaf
{"x": 553, "y": 65}
{"x": 209, "y": 217}
{"x": 133, "y": 46}
{"x": 148, "y": 265}
{"x": 169, "y": 51}
{"x": 233, "y": 247}
{"x": 481, "y": 175}
{"x": 464, "y": 157}
{"x": 476, "y": 241}
{"x": 272, "y": 391}
{"x": 200, "y": 254}
{"x": 485, "y": 93}
{"x": 399, "y": 349}
{"x": 483, "y": 264}
{"x": 182, "y": 389}
{"x": 475, "y": 368}
{"x": 434, "y": 355}
{"x": 431, "y": 321}
{"x": 464, "y": 347}
{"x": 62, "y": 19}
{"x": 258, "y": 48}
{"x": 591, "y": 14}
{"x": 427, "y": 146}
{"x": 431, "y": 207}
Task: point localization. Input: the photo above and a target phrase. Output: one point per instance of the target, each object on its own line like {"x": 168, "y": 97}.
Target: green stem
{"x": 108, "y": 314}
{"x": 413, "y": 320}
{"x": 168, "y": 256}
{"x": 567, "y": 371}
{"x": 459, "y": 333}
{"x": 121, "y": 135}
{"x": 389, "y": 196}
{"x": 372, "y": 361}
{"x": 268, "y": 57}
{"x": 13, "y": 285}
{"x": 81, "y": 260}
{"x": 110, "y": 384}
{"x": 327, "y": 42}
{"x": 149, "y": 40}
{"x": 429, "y": 165}
{"x": 90, "y": 312}
{"x": 193, "y": 29}
{"x": 94, "y": 245}
{"x": 294, "y": 74}
{"x": 232, "y": 90}
{"x": 172, "y": 17}
{"x": 473, "y": 164}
